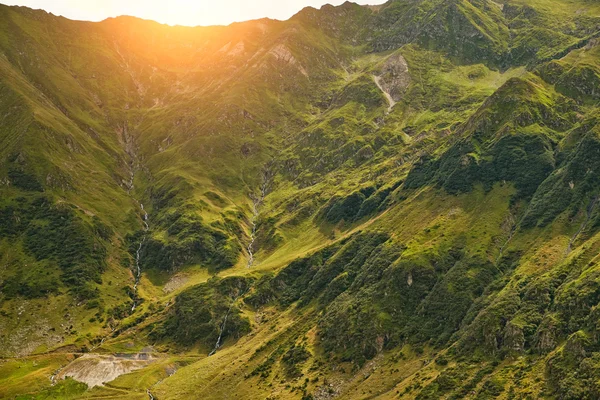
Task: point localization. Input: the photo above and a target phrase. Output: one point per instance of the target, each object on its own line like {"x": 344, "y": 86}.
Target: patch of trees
{"x": 188, "y": 241}
{"x": 357, "y": 205}
{"x": 54, "y": 235}
{"x": 199, "y": 313}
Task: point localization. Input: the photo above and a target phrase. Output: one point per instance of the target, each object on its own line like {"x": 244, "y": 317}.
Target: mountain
{"x": 394, "y": 201}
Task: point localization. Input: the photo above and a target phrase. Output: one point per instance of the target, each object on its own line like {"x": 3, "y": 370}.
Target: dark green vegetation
{"x": 53, "y": 235}
{"x": 189, "y": 241}
{"x": 205, "y": 313}
{"x": 398, "y": 201}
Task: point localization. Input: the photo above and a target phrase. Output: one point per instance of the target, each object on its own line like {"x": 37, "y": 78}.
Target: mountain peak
{"x": 302, "y": 209}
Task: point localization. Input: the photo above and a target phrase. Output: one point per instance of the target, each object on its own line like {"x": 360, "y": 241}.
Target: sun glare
{"x": 178, "y": 12}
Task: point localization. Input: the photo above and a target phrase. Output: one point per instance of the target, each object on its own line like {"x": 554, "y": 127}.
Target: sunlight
{"x": 178, "y": 12}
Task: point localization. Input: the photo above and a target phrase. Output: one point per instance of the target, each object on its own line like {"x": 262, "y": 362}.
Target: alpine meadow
{"x": 398, "y": 201}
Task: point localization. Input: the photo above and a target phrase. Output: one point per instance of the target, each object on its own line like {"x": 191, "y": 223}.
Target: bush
{"x": 293, "y": 359}
{"x": 355, "y": 206}
{"x": 24, "y": 180}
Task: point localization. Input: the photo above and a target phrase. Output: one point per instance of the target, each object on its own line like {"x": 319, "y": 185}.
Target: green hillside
{"x": 362, "y": 202}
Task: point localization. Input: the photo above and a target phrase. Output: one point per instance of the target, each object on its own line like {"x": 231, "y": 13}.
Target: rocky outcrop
{"x": 282, "y": 53}
{"x": 394, "y": 78}
{"x": 95, "y": 370}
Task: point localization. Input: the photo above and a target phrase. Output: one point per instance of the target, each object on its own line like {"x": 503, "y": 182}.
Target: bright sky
{"x": 178, "y": 12}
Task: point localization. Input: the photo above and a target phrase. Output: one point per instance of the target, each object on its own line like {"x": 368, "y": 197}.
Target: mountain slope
{"x": 397, "y": 201}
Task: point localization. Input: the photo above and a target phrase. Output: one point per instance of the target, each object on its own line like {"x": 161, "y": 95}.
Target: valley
{"x": 361, "y": 202}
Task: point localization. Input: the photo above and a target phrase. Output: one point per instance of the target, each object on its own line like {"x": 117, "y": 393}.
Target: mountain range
{"x": 361, "y": 202}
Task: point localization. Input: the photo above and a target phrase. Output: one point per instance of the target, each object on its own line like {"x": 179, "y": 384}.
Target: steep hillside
{"x": 396, "y": 201}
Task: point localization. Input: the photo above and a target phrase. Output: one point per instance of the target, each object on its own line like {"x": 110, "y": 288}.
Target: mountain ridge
{"x": 443, "y": 245}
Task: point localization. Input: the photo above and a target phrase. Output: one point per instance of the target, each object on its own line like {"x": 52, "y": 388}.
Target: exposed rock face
{"x": 95, "y": 370}
{"x": 576, "y": 345}
{"x": 546, "y": 336}
{"x": 394, "y": 78}
{"x": 514, "y": 340}
{"x": 282, "y": 53}
{"x": 233, "y": 50}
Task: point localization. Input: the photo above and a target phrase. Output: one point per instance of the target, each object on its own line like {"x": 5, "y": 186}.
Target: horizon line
{"x": 184, "y": 25}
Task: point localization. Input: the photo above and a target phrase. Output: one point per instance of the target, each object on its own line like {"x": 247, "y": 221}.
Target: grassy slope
{"x": 201, "y": 126}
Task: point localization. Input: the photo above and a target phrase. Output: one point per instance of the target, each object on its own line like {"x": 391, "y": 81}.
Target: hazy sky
{"x": 182, "y": 12}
